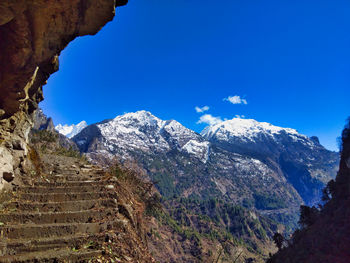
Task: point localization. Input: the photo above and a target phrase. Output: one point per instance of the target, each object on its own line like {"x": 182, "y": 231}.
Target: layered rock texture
{"x": 32, "y": 34}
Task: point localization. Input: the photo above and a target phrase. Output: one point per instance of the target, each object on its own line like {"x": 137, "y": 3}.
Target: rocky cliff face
{"x": 325, "y": 238}
{"x": 33, "y": 33}
{"x": 44, "y": 125}
{"x": 305, "y": 163}
{"x": 42, "y": 122}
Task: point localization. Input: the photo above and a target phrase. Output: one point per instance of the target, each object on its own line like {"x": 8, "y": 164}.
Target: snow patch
{"x": 247, "y": 128}
{"x": 198, "y": 149}
{"x": 251, "y": 131}
{"x": 71, "y": 130}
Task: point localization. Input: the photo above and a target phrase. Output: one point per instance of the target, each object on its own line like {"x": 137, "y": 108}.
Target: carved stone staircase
{"x": 62, "y": 217}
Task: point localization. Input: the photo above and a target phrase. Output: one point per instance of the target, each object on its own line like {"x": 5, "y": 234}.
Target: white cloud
{"x": 236, "y": 100}
{"x": 201, "y": 110}
{"x": 209, "y": 119}
{"x": 240, "y": 116}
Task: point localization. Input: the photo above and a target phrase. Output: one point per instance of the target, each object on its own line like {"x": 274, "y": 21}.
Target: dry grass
{"x": 35, "y": 159}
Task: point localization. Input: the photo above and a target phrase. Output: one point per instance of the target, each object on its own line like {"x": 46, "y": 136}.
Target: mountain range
{"x": 241, "y": 161}
{"x": 70, "y": 130}
{"x": 233, "y": 185}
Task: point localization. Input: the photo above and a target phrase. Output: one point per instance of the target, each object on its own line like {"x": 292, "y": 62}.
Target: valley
{"x": 239, "y": 181}
{"x": 242, "y": 163}
{"x": 138, "y": 188}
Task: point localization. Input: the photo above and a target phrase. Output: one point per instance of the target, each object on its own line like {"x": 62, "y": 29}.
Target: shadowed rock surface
{"x": 327, "y": 237}
{"x": 33, "y": 33}
{"x": 41, "y": 122}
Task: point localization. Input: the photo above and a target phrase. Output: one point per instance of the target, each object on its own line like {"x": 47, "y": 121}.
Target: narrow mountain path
{"x": 61, "y": 217}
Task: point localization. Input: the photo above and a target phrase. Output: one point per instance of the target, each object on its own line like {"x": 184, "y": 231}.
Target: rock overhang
{"x": 32, "y": 35}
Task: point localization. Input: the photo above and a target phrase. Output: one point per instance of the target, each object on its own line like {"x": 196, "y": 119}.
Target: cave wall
{"x": 32, "y": 35}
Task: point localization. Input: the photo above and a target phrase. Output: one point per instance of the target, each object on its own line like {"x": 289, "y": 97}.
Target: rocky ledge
{"x": 33, "y": 33}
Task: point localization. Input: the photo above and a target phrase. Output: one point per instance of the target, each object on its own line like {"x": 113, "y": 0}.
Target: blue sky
{"x": 288, "y": 60}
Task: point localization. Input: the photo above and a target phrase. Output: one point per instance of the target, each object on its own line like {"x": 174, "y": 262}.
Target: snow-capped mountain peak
{"x": 246, "y": 129}
{"x": 142, "y": 131}
{"x": 139, "y": 118}
{"x": 71, "y": 130}
{"x": 231, "y": 153}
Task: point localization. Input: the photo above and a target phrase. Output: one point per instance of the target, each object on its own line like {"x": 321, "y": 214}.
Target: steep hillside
{"x": 188, "y": 168}
{"x": 195, "y": 230}
{"x": 69, "y": 210}
{"x": 44, "y": 127}
{"x": 325, "y": 232}
{"x": 33, "y": 33}
{"x": 304, "y": 162}
{"x": 238, "y": 160}
{"x": 46, "y": 216}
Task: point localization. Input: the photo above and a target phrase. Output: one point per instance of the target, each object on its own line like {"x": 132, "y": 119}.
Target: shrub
{"x": 263, "y": 201}
{"x": 68, "y": 152}
{"x": 308, "y": 215}
{"x": 43, "y": 136}
{"x": 329, "y": 191}
{"x": 278, "y": 239}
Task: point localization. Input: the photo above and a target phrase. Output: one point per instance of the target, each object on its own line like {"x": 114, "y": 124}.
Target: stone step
{"x": 73, "y": 183}
{"x": 73, "y": 189}
{"x": 79, "y": 171}
{"x": 63, "y": 179}
{"x": 61, "y": 197}
{"x": 87, "y": 216}
{"x": 18, "y": 246}
{"x": 70, "y": 177}
{"x": 53, "y": 256}
{"x": 66, "y": 171}
{"x": 68, "y": 206}
{"x": 35, "y": 231}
